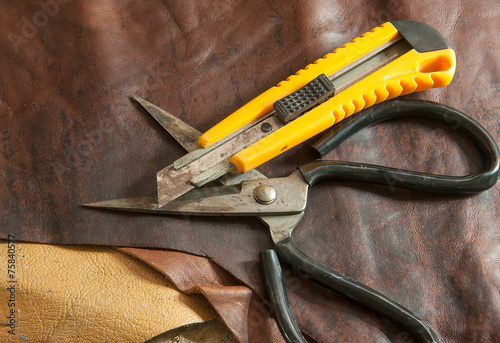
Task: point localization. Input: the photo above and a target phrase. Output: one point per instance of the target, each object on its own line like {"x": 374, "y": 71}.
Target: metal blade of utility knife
{"x": 184, "y": 174}
{"x": 204, "y": 165}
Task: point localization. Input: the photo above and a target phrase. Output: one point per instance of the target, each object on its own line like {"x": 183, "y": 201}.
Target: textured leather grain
{"x": 244, "y": 313}
{"x": 70, "y": 135}
{"x": 90, "y": 294}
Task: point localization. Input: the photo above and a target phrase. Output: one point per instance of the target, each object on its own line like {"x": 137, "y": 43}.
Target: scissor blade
{"x": 235, "y": 200}
{"x": 186, "y": 135}
{"x": 281, "y": 227}
{"x": 145, "y": 204}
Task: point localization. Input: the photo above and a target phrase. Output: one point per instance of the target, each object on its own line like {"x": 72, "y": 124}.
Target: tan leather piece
{"x": 243, "y": 311}
{"x": 91, "y": 294}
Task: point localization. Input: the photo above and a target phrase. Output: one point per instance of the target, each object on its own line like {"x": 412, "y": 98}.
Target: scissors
{"x": 280, "y": 203}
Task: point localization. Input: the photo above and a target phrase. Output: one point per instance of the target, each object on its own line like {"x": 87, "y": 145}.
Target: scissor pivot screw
{"x": 265, "y": 194}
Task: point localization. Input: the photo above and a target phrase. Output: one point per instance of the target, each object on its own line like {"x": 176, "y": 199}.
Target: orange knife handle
{"x": 412, "y": 72}
{"x": 327, "y": 65}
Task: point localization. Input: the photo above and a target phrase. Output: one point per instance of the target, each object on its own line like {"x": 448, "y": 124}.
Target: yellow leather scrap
{"x": 88, "y": 294}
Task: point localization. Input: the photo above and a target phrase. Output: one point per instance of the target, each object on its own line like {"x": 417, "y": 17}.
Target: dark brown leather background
{"x": 69, "y": 135}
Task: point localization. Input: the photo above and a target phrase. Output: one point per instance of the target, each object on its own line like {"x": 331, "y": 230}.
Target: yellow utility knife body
{"x": 394, "y": 59}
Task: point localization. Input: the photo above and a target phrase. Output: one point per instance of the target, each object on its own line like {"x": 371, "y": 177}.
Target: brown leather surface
{"x": 89, "y": 294}
{"x": 70, "y": 135}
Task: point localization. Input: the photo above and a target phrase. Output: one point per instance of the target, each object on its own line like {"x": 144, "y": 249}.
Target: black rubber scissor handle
{"x": 316, "y": 171}
{"x": 468, "y": 184}
{"x": 334, "y": 281}
{"x": 275, "y": 288}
